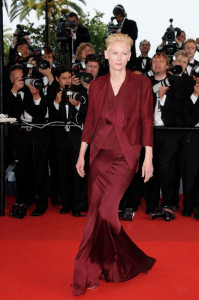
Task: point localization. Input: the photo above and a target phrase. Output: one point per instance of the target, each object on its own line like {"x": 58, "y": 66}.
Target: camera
{"x": 113, "y": 26}
{"x": 85, "y": 77}
{"x": 171, "y": 33}
{"x": 36, "y": 82}
{"x": 169, "y": 37}
{"x": 165, "y": 213}
{"x": 127, "y": 214}
{"x": 170, "y": 80}
{"x": 68, "y": 93}
{"x": 62, "y": 31}
{"x": 21, "y": 33}
{"x": 81, "y": 66}
{"x": 40, "y": 63}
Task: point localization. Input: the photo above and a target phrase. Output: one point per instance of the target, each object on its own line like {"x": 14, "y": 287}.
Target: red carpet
{"x": 37, "y": 254}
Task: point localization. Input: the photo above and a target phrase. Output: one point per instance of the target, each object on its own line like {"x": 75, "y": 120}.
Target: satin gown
{"x": 106, "y": 252}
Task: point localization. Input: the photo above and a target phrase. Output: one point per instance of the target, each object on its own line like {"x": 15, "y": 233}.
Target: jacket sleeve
{"x": 147, "y": 113}
{"x": 89, "y": 125}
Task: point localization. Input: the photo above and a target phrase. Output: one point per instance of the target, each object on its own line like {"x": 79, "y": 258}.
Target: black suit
{"x": 30, "y": 149}
{"x": 67, "y": 142}
{"x": 130, "y": 27}
{"x": 195, "y": 63}
{"x": 190, "y": 159}
{"x": 169, "y": 143}
{"x": 142, "y": 65}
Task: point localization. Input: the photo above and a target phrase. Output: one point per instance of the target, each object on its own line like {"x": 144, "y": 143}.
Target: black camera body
{"x": 62, "y": 32}
{"x": 21, "y": 33}
{"x": 85, "y": 77}
{"x": 40, "y": 63}
{"x": 113, "y": 26}
{"x": 81, "y": 66}
{"x": 165, "y": 213}
{"x": 68, "y": 93}
{"x": 171, "y": 33}
{"x": 127, "y": 214}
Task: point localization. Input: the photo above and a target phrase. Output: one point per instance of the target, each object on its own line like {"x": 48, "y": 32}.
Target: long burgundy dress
{"x": 106, "y": 252}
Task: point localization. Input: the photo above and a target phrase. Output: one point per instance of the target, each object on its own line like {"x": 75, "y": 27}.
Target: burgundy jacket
{"x": 134, "y": 114}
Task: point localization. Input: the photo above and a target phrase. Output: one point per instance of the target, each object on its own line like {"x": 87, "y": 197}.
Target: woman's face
{"x": 87, "y": 50}
{"x": 118, "y": 54}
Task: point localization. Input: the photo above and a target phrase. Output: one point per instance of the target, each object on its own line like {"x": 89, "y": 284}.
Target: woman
{"x": 118, "y": 123}
{"x": 83, "y": 50}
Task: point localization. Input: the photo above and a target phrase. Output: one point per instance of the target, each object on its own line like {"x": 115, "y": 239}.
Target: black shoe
{"x": 14, "y": 209}
{"x": 196, "y": 214}
{"x": 38, "y": 212}
{"x": 63, "y": 210}
{"x": 186, "y": 213}
{"x": 76, "y": 213}
{"x": 21, "y": 212}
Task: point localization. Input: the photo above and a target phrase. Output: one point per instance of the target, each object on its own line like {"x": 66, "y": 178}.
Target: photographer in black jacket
{"x": 28, "y": 105}
{"x": 69, "y": 107}
{"x": 126, "y": 26}
{"x": 79, "y": 34}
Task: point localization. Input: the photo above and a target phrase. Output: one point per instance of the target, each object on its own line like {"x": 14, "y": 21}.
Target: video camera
{"x": 62, "y": 32}
{"x": 113, "y": 26}
{"x": 171, "y": 33}
{"x": 21, "y": 33}
{"x": 169, "y": 37}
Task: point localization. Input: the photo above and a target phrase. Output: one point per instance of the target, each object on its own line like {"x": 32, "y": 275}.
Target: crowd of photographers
{"x": 49, "y": 99}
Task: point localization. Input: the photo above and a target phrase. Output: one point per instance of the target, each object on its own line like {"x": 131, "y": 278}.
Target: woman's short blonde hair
{"x": 118, "y": 37}
{"x": 81, "y": 47}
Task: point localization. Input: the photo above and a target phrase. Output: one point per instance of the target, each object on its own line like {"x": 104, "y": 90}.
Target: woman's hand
{"x": 80, "y": 166}
{"x": 147, "y": 167}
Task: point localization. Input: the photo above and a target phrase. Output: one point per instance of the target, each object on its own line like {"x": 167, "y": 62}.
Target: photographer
{"x": 190, "y": 46}
{"x": 30, "y": 144}
{"x": 190, "y": 158}
{"x": 172, "y": 41}
{"x": 143, "y": 62}
{"x": 20, "y": 37}
{"x": 78, "y": 34}
{"x": 126, "y": 26}
{"x": 92, "y": 67}
{"x": 170, "y": 101}
{"x": 67, "y": 139}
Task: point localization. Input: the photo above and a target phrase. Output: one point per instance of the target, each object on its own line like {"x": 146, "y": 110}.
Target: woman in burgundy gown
{"x": 118, "y": 123}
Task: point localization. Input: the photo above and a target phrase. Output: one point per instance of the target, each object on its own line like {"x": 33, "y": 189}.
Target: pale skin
{"x": 118, "y": 55}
